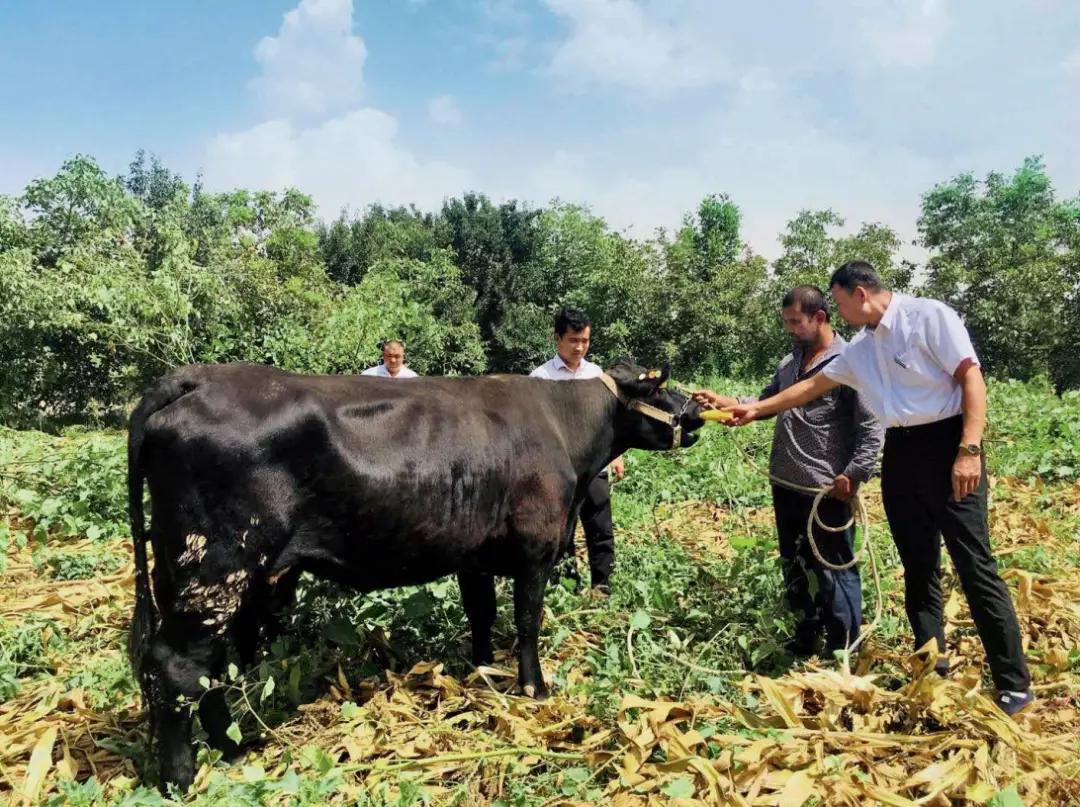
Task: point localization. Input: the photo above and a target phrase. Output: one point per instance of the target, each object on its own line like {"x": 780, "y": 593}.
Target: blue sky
{"x": 635, "y": 107}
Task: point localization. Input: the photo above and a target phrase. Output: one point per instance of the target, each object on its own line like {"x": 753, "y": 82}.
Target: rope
{"x": 858, "y": 513}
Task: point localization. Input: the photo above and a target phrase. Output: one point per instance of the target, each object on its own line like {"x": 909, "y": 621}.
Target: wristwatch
{"x": 972, "y": 449}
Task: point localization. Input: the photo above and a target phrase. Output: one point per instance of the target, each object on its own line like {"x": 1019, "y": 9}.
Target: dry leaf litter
{"x": 817, "y": 732}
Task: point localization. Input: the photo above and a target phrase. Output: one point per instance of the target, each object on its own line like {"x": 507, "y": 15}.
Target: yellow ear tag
{"x": 654, "y": 373}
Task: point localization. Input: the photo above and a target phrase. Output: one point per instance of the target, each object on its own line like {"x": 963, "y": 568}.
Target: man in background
{"x": 572, "y": 336}
{"x": 393, "y": 362}
{"x": 833, "y": 442}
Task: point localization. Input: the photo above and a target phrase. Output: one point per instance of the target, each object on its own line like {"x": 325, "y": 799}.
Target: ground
{"x": 675, "y": 690}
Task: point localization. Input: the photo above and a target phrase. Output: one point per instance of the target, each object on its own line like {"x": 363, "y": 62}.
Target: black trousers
{"x": 916, "y": 488}
{"x": 595, "y": 518}
{"x": 836, "y": 608}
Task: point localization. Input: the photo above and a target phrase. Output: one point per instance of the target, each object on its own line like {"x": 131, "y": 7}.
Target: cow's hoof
{"x": 535, "y": 691}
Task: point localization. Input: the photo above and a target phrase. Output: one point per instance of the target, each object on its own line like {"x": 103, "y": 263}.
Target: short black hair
{"x": 573, "y": 319}
{"x": 808, "y": 299}
{"x": 856, "y": 273}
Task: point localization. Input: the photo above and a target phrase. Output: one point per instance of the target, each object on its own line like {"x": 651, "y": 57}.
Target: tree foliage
{"x": 106, "y": 282}
{"x": 1005, "y": 254}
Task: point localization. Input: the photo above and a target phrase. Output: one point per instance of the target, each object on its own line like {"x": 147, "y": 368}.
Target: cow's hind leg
{"x": 181, "y": 658}
{"x": 528, "y": 614}
{"x": 478, "y": 597}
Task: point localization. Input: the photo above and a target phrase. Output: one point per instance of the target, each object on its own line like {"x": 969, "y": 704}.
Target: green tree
{"x": 1004, "y": 253}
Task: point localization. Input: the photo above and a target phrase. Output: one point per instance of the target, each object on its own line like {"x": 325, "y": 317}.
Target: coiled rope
{"x": 859, "y": 515}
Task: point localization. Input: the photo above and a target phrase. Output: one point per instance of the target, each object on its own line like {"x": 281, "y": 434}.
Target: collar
{"x": 560, "y": 364}
{"x": 892, "y": 311}
{"x": 648, "y": 410}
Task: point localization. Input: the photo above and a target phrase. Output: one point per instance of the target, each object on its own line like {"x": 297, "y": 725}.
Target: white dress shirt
{"x": 381, "y": 371}
{"x": 558, "y": 370}
{"x": 904, "y": 367}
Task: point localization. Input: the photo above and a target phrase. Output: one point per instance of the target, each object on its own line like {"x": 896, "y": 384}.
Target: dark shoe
{"x": 602, "y": 591}
{"x": 802, "y": 646}
{"x": 941, "y": 667}
{"x": 1013, "y": 703}
{"x": 804, "y": 643}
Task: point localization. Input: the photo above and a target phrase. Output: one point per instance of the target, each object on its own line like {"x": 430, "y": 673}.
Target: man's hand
{"x": 741, "y": 414}
{"x": 618, "y": 468}
{"x": 843, "y": 488}
{"x": 710, "y": 400}
{"x": 966, "y": 472}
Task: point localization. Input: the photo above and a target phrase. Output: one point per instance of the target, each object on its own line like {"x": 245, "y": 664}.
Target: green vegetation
{"x": 105, "y": 282}
{"x": 700, "y": 591}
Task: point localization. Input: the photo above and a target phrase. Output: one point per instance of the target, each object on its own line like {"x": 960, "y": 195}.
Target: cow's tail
{"x": 145, "y": 619}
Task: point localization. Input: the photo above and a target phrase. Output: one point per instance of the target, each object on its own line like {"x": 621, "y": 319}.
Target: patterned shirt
{"x": 835, "y": 434}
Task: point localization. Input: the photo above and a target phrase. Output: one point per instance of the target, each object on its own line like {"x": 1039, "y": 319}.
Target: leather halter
{"x": 648, "y": 410}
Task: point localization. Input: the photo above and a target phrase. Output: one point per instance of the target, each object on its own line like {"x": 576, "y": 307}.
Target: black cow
{"x": 257, "y": 475}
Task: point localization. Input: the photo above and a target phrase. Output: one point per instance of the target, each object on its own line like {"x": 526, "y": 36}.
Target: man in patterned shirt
{"x": 832, "y": 441}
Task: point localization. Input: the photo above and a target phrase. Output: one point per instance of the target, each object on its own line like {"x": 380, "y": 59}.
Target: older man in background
{"x": 393, "y": 362}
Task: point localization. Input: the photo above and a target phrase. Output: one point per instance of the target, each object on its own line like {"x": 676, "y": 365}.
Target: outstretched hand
{"x": 741, "y": 414}
{"x": 707, "y": 399}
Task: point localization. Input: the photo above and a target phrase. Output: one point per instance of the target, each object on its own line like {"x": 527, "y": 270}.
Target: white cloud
{"x": 445, "y": 111}
{"x": 351, "y": 160}
{"x": 318, "y": 139}
{"x": 315, "y": 65}
{"x": 808, "y": 116}
{"x": 905, "y": 32}
{"x": 654, "y": 47}
{"x": 765, "y": 153}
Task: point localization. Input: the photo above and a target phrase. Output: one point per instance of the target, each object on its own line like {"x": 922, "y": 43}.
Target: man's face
{"x": 854, "y": 306}
{"x": 573, "y": 345}
{"x": 393, "y": 357}
{"x": 803, "y": 330}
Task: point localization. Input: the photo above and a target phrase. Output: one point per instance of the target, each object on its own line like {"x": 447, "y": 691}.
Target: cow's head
{"x": 653, "y": 417}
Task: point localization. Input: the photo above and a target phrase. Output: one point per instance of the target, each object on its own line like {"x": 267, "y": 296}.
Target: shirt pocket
{"x": 914, "y": 365}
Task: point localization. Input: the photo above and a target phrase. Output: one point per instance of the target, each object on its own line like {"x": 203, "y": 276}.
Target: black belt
{"x": 946, "y": 426}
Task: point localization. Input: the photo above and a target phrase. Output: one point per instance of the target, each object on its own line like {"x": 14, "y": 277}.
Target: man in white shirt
{"x": 393, "y": 362}
{"x": 914, "y": 364}
{"x": 572, "y": 335}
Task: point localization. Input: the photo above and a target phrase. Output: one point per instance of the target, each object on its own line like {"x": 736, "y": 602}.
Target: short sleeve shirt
{"x": 904, "y": 367}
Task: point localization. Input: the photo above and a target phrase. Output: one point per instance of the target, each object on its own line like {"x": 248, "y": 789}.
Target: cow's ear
{"x": 641, "y": 382}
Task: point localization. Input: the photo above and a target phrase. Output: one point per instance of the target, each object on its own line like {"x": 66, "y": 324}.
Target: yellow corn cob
{"x": 716, "y": 415}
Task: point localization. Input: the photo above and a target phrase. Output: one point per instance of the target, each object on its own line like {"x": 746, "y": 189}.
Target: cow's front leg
{"x": 528, "y": 613}
{"x": 478, "y": 597}
{"x": 216, "y": 718}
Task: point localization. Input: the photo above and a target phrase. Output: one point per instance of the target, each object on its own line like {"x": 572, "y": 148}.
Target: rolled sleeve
{"x": 840, "y": 369}
{"x": 948, "y": 339}
{"x": 869, "y": 436}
